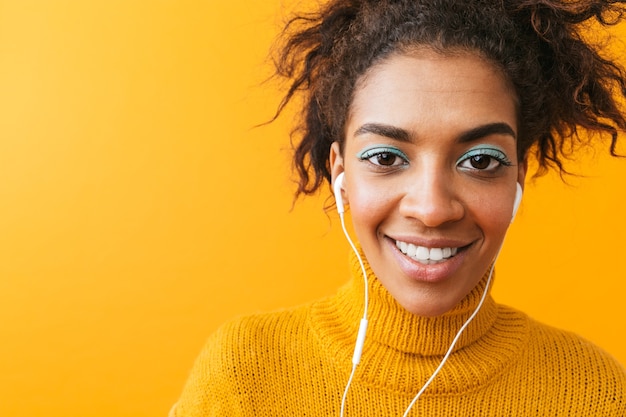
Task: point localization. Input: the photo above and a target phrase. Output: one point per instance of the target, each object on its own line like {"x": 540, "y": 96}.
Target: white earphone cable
{"x": 455, "y": 340}
{"x": 363, "y": 327}
{"x": 358, "y": 347}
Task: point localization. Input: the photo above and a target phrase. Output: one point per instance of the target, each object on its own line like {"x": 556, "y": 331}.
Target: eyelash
{"x": 492, "y": 153}
{"x": 370, "y": 153}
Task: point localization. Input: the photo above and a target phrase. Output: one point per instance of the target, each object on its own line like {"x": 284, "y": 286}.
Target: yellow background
{"x": 139, "y": 208}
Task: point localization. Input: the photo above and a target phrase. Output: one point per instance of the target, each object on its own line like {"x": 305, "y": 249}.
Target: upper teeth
{"x": 424, "y": 254}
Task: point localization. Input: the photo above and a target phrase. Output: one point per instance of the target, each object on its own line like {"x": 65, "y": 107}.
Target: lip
{"x": 432, "y": 273}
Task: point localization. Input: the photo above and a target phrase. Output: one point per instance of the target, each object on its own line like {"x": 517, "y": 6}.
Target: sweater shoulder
{"x": 587, "y": 371}
{"x": 239, "y": 359}
{"x": 559, "y": 344}
{"x": 245, "y": 339}
{"x": 564, "y": 371}
{"x": 572, "y": 348}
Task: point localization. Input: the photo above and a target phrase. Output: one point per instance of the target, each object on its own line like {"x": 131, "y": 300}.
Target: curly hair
{"x": 563, "y": 84}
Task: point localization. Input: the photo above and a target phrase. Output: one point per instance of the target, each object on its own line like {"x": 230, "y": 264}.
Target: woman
{"x": 423, "y": 115}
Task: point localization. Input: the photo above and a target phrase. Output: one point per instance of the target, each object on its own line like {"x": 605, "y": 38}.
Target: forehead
{"x": 423, "y": 86}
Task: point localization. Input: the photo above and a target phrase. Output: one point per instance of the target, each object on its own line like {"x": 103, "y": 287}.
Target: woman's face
{"x": 430, "y": 168}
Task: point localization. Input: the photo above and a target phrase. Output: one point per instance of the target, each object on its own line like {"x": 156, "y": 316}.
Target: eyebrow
{"x": 487, "y": 130}
{"x": 402, "y": 135}
{"x": 387, "y": 131}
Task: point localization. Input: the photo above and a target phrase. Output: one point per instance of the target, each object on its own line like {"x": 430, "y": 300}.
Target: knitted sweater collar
{"x": 392, "y": 326}
{"x": 402, "y": 349}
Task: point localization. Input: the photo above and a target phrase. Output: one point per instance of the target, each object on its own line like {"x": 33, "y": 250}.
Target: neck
{"x": 393, "y": 326}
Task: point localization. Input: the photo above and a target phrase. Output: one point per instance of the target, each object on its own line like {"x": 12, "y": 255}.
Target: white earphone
{"x": 337, "y": 192}
{"x": 517, "y": 201}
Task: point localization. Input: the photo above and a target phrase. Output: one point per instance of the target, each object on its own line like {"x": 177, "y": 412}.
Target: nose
{"x": 432, "y": 199}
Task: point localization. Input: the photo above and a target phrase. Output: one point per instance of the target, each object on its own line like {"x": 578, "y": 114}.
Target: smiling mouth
{"x": 424, "y": 255}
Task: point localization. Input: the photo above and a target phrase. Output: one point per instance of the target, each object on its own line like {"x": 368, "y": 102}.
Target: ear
{"x": 521, "y": 172}
{"x": 521, "y": 175}
{"x": 336, "y": 165}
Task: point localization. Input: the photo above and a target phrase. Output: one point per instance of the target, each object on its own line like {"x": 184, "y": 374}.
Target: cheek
{"x": 370, "y": 207}
{"x": 493, "y": 217}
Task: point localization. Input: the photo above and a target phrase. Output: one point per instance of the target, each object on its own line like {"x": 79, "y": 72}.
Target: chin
{"x": 427, "y": 305}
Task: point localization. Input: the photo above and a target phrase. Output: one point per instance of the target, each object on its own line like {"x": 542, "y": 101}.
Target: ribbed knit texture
{"x": 297, "y": 363}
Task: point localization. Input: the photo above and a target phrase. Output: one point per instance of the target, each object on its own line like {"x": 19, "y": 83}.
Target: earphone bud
{"x": 337, "y": 192}
{"x": 518, "y": 200}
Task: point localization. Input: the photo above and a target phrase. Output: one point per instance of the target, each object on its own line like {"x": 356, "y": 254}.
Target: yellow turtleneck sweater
{"x": 297, "y": 363}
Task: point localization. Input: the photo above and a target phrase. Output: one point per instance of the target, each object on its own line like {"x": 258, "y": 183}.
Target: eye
{"x": 384, "y": 156}
{"x": 483, "y": 162}
{"x": 385, "y": 159}
{"x": 483, "y": 159}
